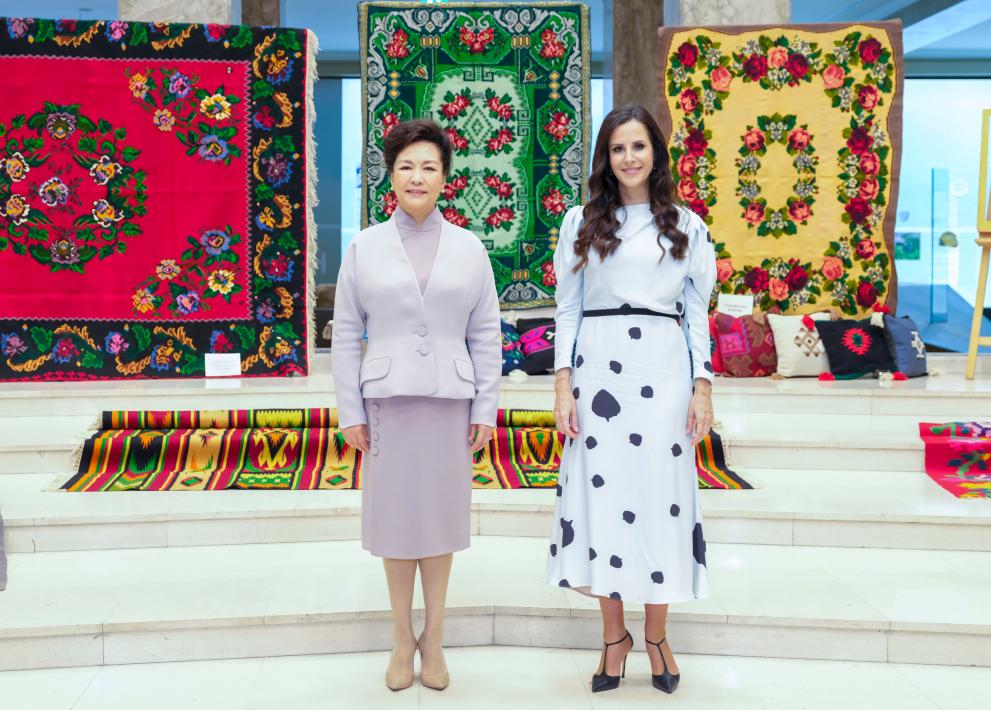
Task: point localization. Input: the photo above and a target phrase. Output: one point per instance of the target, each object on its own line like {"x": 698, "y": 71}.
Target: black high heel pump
{"x": 603, "y": 681}
{"x": 666, "y": 681}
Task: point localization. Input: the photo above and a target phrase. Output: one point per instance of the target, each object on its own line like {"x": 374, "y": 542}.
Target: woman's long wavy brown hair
{"x": 599, "y": 228}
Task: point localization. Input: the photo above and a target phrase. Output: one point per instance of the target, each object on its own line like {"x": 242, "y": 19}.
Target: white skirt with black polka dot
{"x": 628, "y": 523}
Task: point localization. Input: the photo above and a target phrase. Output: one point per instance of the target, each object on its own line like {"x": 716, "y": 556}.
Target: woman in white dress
{"x": 633, "y": 393}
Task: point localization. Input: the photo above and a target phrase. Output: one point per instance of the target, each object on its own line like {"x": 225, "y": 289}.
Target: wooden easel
{"x": 983, "y": 241}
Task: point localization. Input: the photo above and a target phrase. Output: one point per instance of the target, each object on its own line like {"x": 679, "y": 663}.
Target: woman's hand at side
{"x": 700, "y": 414}
{"x": 478, "y": 437}
{"x": 357, "y": 436}
{"x": 565, "y": 407}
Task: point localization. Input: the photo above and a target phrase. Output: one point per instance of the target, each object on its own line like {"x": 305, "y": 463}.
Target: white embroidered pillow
{"x": 800, "y": 350}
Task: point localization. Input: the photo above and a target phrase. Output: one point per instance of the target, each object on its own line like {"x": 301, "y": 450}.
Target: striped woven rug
{"x": 302, "y": 449}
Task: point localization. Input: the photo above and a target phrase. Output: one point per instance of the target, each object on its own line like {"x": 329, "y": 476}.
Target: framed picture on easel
{"x": 984, "y": 184}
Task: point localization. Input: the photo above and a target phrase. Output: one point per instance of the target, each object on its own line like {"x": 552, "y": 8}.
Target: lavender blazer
{"x": 444, "y": 343}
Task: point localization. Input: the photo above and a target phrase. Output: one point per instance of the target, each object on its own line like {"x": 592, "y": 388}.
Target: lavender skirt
{"x": 416, "y": 490}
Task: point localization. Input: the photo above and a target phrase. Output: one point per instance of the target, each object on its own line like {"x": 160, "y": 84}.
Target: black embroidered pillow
{"x": 512, "y": 355}
{"x": 854, "y": 347}
{"x": 537, "y": 344}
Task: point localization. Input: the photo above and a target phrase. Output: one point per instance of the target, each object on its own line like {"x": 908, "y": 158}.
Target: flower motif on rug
{"x": 798, "y": 142}
{"x": 69, "y": 188}
{"x": 201, "y": 120}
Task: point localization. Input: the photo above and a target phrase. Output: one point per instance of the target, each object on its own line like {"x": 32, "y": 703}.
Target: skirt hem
{"x": 587, "y": 590}
{"x": 408, "y": 556}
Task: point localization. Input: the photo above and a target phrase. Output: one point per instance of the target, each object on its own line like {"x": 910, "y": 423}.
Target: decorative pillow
{"x": 800, "y": 349}
{"x": 905, "y": 344}
{"x": 537, "y": 344}
{"x": 512, "y": 356}
{"x": 717, "y": 362}
{"x": 854, "y": 347}
{"x": 746, "y": 345}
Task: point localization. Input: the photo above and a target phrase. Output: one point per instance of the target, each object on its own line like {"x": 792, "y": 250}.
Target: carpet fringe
{"x": 55, "y": 486}
{"x": 312, "y": 47}
{"x": 96, "y": 424}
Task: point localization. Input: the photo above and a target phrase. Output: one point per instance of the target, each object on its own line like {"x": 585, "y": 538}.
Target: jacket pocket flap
{"x": 466, "y": 371}
{"x": 375, "y": 369}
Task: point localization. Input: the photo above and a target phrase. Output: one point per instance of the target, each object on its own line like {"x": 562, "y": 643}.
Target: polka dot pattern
{"x": 605, "y": 405}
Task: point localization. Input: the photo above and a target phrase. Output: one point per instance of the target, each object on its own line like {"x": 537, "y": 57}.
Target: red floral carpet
{"x": 302, "y": 449}
{"x": 958, "y": 457}
{"x": 153, "y": 198}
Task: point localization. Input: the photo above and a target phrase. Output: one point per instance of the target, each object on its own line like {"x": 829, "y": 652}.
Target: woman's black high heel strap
{"x": 658, "y": 645}
{"x": 620, "y": 641}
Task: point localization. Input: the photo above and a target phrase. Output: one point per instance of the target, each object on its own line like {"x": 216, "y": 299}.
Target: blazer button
{"x": 375, "y": 406}
{"x": 422, "y": 331}
{"x": 375, "y": 451}
{"x": 375, "y": 436}
{"x": 423, "y": 350}
{"x": 375, "y": 421}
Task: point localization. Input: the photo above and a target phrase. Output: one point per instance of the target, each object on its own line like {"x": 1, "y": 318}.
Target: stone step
{"x": 238, "y": 601}
{"x": 815, "y": 508}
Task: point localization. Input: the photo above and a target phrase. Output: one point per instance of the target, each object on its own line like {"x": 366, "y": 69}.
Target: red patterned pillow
{"x": 746, "y": 345}
{"x": 714, "y": 358}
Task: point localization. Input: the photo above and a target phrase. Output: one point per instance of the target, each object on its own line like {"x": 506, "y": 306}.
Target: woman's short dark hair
{"x": 409, "y": 132}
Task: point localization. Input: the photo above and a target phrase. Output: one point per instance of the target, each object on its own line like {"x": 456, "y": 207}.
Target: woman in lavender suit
{"x": 424, "y": 397}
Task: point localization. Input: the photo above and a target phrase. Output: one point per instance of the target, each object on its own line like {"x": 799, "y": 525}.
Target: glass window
{"x": 935, "y": 253}
{"x": 61, "y": 9}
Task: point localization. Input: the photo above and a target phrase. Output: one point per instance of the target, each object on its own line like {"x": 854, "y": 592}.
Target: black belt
{"x": 627, "y": 310}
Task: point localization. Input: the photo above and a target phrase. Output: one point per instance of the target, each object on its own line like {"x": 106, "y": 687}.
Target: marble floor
{"x": 496, "y": 677}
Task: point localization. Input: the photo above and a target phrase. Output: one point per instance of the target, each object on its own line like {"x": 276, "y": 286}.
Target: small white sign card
{"x": 735, "y": 305}
{"x": 223, "y": 364}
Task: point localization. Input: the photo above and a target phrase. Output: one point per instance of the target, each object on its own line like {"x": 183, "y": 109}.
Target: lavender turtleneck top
{"x": 420, "y": 242}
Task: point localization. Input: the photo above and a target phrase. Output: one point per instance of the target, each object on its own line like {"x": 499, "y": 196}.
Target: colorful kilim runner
{"x": 155, "y": 198}
{"x": 301, "y": 449}
{"x": 509, "y": 82}
{"x": 958, "y": 457}
{"x": 786, "y": 140}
